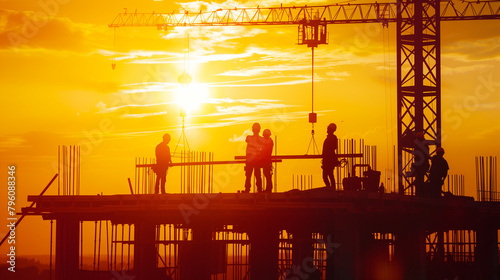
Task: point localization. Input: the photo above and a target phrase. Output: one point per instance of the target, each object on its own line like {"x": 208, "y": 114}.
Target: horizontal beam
{"x": 202, "y": 163}
{"x": 306, "y": 156}
{"x": 451, "y": 10}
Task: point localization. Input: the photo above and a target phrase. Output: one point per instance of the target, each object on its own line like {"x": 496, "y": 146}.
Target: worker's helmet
{"x": 420, "y": 135}
{"x": 256, "y": 127}
{"x": 266, "y": 132}
{"x": 440, "y": 151}
{"x": 332, "y": 127}
{"x": 166, "y": 137}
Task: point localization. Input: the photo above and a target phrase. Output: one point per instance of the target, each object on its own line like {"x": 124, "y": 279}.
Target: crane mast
{"x": 418, "y": 51}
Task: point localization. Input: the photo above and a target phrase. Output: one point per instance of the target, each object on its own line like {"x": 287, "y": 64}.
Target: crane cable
{"x": 388, "y": 98}
{"x": 312, "y": 142}
{"x": 184, "y": 80}
{"x": 113, "y": 58}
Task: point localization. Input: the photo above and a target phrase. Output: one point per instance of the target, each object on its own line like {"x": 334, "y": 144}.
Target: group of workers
{"x": 259, "y": 156}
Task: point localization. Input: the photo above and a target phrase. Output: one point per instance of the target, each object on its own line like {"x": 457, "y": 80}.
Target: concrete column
{"x": 331, "y": 250}
{"x": 303, "y": 254}
{"x": 144, "y": 250}
{"x": 263, "y": 253}
{"x": 487, "y": 252}
{"x": 410, "y": 251}
{"x": 67, "y": 248}
{"x": 302, "y": 247}
{"x": 197, "y": 256}
{"x": 349, "y": 258}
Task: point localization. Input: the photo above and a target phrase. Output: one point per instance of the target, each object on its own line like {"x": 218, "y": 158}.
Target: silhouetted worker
{"x": 267, "y": 164}
{"x": 438, "y": 172}
{"x": 330, "y": 160}
{"x": 253, "y": 158}
{"x": 421, "y": 162}
{"x": 163, "y": 161}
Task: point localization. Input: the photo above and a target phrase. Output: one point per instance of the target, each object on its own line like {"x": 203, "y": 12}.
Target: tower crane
{"x": 418, "y": 50}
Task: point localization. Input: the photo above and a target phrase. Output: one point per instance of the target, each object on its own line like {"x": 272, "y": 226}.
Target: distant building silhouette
{"x": 163, "y": 161}
{"x": 329, "y": 155}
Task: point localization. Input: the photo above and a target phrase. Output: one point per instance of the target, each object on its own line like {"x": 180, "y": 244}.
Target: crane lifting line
{"x": 113, "y": 58}
{"x": 313, "y": 140}
{"x": 184, "y": 75}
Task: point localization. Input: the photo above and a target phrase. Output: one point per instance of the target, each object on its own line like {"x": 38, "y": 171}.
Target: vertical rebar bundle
{"x": 486, "y": 179}
{"x": 455, "y": 184}
{"x": 458, "y": 245}
{"x": 302, "y": 182}
{"x": 68, "y": 168}
{"x": 197, "y": 178}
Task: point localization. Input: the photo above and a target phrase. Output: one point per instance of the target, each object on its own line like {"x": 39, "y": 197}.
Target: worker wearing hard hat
{"x": 438, "y": 172}
{"x": 253, "y": 158}
{"x": 163, "y": 162}
{"x": 330, "y": 159}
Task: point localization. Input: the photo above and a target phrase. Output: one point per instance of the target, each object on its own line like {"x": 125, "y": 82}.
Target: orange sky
{"x": 57, "y": 87}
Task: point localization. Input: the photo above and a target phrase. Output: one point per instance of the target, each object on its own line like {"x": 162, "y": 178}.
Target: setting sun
{"x": 190, "y": 97}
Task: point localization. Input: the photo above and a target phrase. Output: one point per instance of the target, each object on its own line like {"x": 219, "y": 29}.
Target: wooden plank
{"x": 306, "y": 156}
{"x": 203, "y": 163}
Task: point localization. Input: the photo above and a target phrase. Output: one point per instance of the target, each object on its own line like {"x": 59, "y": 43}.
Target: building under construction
{"x": 303, "y": 233}
{"x": 309, "y": 232}
{"x": 319, "y": 232}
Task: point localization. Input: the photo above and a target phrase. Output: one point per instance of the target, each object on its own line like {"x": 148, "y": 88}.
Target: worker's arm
{"x": 444, "y": 176}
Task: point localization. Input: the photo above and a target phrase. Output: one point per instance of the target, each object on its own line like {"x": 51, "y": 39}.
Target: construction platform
{"x": 347, "y": 223}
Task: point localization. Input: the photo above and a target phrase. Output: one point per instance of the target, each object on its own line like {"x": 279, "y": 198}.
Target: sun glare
{"x": 191, "y": 97}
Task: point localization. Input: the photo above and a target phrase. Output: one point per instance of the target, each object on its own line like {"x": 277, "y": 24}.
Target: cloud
{"x": 493, "y": 106}
{"x": 149, "y": 87}
{"x": 246, "y": 106}
{"x": 143, "y": 115}
{"x": 246, "y": 101}
{"x": 33, "y": 144}
{"x": 195, "y": 58}
{"x": 485, "y": 134}
{"x": 446, "y": 70}
{"x": 277, "y": 60}
{"x": 29, "y": 29}
{"x": 9, "y": 142}
{"x": 143, "y": 56}
{"x": 293, "y": 80}
{"x": 338, "y": 74}
{"x": 480, "y": 49}
{"x": 242, "y": 137}
{"x": 197, "y": 6}
{"x": 207, "y": 37}
{"x": 262, "y": 70}
{"x": 244, "y": 109}
{"x": 103, "y": 109}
